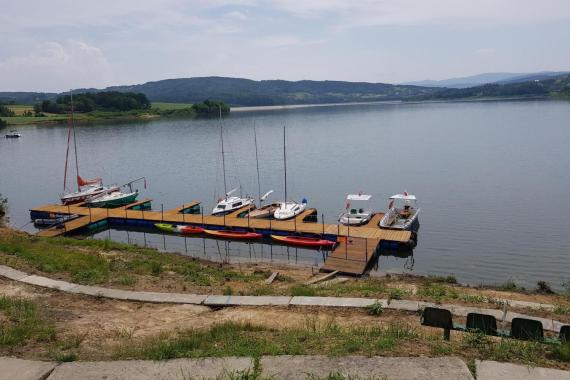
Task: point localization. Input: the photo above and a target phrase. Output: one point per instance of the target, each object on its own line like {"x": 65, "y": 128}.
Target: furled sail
{"x": 85, "y": 182}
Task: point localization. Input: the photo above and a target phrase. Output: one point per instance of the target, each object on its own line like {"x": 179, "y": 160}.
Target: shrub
{"x": 375, "y": 309}
{"x": 543, "y": 288}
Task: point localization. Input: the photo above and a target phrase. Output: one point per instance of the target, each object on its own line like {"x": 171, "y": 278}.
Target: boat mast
{"x": 75, "y": 144}
{"x": 223, "y": 155}
{"x": 285, "y": 163}
{"x": 67, "y": 153}
{"x": 257, "y": 165}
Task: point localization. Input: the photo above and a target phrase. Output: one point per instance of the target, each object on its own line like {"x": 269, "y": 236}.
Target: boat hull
{"x": 114, "y": 202}
{"x": 82, "y": 196}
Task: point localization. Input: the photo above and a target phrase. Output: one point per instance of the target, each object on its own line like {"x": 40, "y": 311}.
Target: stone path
{"x": 217, "y": 300}
{"x": 275, "y": 367}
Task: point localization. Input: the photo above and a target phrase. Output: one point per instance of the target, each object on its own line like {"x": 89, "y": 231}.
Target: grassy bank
{"x": 117, "y": 265}
{"x": 158, "y": 110}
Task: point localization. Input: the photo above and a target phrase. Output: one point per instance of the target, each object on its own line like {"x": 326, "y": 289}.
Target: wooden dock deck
{"x": 354, "y": 252}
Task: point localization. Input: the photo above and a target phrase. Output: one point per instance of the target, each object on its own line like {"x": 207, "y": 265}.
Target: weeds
{"x": 22, "y": 321}
{"x": 561, "y": 310}
{"x": 375, "y": 309}
{"x": 443, "y": 279}
{"x": 302, "y": 290}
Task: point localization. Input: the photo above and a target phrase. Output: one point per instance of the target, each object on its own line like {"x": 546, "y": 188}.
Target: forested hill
{"x": 246, "y": 92}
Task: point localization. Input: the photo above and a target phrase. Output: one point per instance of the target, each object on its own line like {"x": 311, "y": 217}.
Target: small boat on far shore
{"x": 302, "y": 241}
{"x": 237, "y": 235}
{"x": 13, "y": 134}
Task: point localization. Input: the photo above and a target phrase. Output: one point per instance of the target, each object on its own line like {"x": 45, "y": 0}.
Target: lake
{"x": 491, "y": 177}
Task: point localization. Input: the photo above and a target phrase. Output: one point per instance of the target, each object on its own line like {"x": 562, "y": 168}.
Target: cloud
{"x": 235, "y": 15}
{"x": 55, "y": 66}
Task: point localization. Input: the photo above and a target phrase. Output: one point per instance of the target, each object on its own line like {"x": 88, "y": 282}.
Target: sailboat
{"x": 288, "y": 209}
{"x": 85, "y": 188}
{"x": 229, "y": 203}
{"x": 116, "y": 198}
{"x": 267, "y": 211}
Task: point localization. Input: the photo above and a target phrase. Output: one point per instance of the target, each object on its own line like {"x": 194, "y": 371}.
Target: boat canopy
{"x": 407, "y": 197}
{"x": 358, "y": 197}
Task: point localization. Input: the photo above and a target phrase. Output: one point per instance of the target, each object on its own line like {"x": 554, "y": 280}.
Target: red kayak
{"x": 190, "y": 230}
{"x": 236, "y": 235}
{"x": 304, "y": 241}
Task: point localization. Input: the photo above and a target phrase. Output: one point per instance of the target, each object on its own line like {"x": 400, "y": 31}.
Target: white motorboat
{"x": 356, "y": 216}
{"x": 288, "y": 209}
{"x": 13, "y": 134}
{"x": 402, "y": 212}
{"x": 228, "y": 203}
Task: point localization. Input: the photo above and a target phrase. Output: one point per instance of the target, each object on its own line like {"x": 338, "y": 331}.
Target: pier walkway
{"x": 356, "y": 248}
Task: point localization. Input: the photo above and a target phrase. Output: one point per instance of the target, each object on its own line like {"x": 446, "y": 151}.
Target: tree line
{"x": 112, "y": 101}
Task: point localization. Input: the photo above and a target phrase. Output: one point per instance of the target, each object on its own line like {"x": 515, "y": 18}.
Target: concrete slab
{"x": 209, "y": 368}
{"x": 489, "y": 370}
{"x": 12, "y": 274}
{"x": 404, "y": 305}
{"x": 332, "y": 301}
{"x": 530, "y": 305}
{"x": 195, "y": 299}
{"x": 19, "y": 369}
{"x": 48, "y": 283}
{"x": 97, "y": 291}
{"x": 247, "y": 301}
{"x": 306, "y": 367}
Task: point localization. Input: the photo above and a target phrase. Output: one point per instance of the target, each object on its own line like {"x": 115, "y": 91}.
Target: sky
{"x": 56, "y": 45}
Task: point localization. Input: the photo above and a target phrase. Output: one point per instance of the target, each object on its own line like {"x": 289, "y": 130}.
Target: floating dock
{"x": 356, "y": 249}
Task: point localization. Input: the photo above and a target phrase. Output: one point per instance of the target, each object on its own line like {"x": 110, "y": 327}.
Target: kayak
{"x": 303, "y": 241}
{"x": 166, "y": 227}
{"x": 228, "y": 234}
{"x": 172, "y": 228}
{"x": 190, "y": 229}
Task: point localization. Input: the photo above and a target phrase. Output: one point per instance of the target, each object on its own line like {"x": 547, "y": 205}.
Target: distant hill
{"x": 26, "y": 97}
{"x": 486, "y": 78}
{"x": 246, "y": 92}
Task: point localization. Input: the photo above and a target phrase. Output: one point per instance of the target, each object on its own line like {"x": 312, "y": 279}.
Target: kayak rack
{"x": 356, "y": 246}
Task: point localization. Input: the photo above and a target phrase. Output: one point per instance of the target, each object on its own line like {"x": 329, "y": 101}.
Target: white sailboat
{"x": 356, "y": 216}
{"x": 85, "y": 188}
{"x": 288, "y": 209}
{"x": 267, "y": 211}
{"x": 229, "y": 203}
{"x": 402, "y": 212}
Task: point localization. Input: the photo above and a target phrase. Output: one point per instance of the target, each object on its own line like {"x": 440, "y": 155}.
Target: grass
{"x": 83, "y": 262}
{"x": 22, "y": 321}
{"x": 245, "y": 339}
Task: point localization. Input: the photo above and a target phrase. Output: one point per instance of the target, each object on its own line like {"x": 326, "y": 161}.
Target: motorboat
{"x": 13, "y": 134}
{"x": 354, "y": 216}
{"x": 402, "y": 212}
{"x": 231, "y": 203}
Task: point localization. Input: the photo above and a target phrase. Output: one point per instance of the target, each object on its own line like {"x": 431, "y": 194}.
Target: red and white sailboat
{"x": 86, "y": 188}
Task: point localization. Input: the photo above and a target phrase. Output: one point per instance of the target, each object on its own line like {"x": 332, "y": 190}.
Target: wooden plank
{"x": 271, "y": 278}
{"x": 320, "y": 279}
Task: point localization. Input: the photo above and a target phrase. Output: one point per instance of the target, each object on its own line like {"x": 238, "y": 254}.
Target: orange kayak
{"x": 237, "y": 235}
{"x": 302, "y": 241}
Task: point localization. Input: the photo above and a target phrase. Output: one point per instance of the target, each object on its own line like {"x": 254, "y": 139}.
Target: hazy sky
{"x": 54, "y": 45}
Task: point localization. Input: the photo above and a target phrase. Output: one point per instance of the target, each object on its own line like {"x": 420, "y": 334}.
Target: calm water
{"x": 492, "y": 177}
